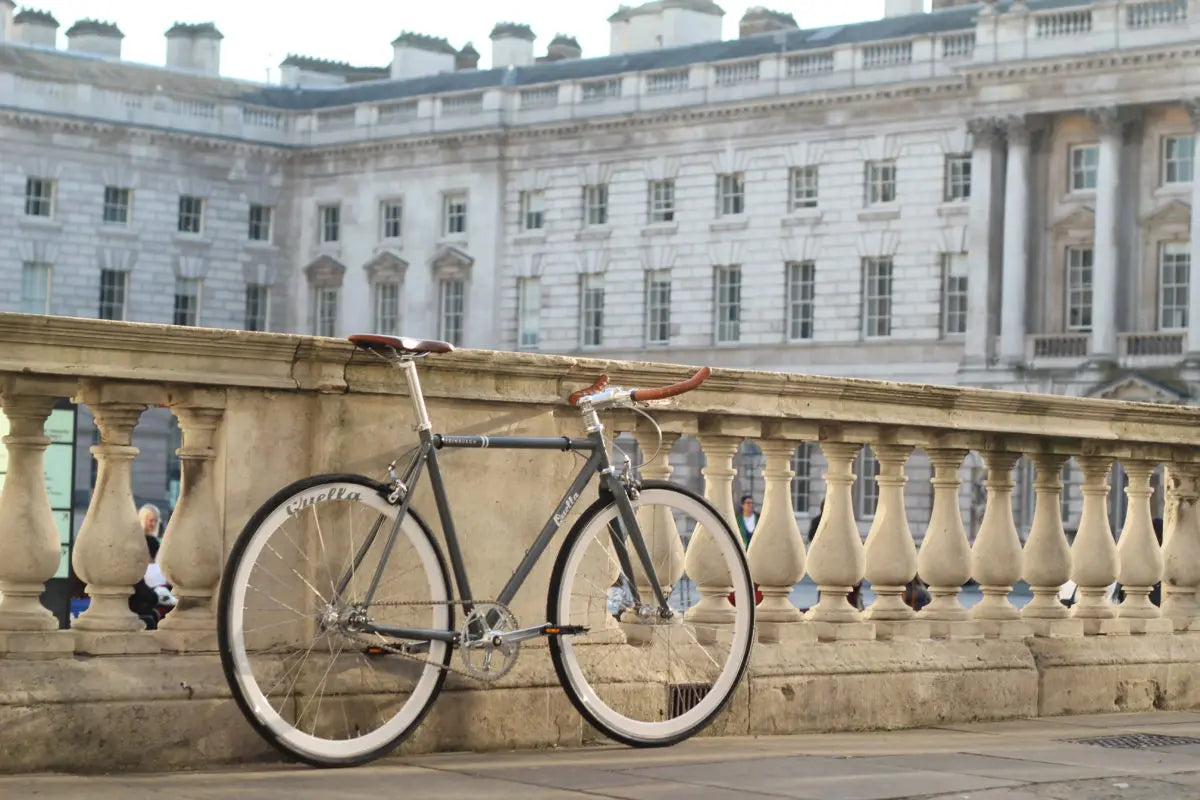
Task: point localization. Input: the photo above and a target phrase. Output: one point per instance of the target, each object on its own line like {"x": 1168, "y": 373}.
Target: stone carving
{"x": 1107, "y": 119}
{"x": 985, "y": 130}
{"x": 1017, "y": 129}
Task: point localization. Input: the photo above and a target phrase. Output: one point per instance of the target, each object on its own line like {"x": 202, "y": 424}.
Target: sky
{"x": 261, "y": 33}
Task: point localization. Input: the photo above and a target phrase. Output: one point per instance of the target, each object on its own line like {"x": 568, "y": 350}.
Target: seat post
{"x": 409, "y": 367}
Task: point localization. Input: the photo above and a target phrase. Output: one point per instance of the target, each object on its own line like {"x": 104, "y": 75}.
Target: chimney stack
{"x": 467, "y": 58}
{"x": 903, "y": 8}
{"x": 194, "y": 47}
{"x": 38, "y": 28}
{"x": 758, "y": 20}
{"x": 6, "y": 20}
{"x": 415, "y": 55}
{"x": 563, "y": 48}
{"x": 95, "y": 37}
{"x": 512, "y": 45}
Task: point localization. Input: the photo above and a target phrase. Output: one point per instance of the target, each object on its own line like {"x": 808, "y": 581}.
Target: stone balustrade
{"x": 260, "y": 410}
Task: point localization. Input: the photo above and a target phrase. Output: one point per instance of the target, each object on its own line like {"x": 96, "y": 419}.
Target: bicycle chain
{"x": 393, "y": 649}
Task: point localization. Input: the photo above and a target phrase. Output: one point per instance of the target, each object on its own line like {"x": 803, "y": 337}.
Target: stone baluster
{"x": 30, "y": 546}
{"x": 1094, "y": 554}
{"x": 1048, "y": 554}
{"x": 661, "y": 535}
{"x": 702, "y": 561}
{"x": 996, "y": 554}
{"x": 190, "y": 556}
{"x": 944, "y": 560}
{"x": 836, "y": 559}
{"x": 1139, "y": 554}
{"x": 1181, "y": 545}
{"x": 890, "y": 554}
{"x": 776, "y": 552}
{"x": 110, "y": 552}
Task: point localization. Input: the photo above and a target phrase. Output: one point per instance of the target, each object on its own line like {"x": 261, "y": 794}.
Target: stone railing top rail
{"x": 791, "y": 405}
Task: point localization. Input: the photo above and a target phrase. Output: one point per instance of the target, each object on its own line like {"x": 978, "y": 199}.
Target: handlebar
{"x": 640, "y": 395}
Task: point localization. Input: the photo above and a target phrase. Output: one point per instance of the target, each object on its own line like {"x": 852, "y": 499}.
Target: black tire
{"x": 225, "y": 634}
{"x": 559, "y": 646}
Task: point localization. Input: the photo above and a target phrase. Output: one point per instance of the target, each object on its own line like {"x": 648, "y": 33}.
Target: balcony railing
{"x": 1156, "y": 13}
{"x": 260, "y": 410}
{"x": 1160, "y": 344}
{"x": 1058, "y": 345}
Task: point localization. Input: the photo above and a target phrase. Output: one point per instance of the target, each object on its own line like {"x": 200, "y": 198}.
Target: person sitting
{"x": 151, "y": 603}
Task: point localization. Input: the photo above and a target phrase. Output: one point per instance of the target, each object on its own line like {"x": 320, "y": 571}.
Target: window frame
{"x": 122, "y": 288}
{"x": 454, "y": 213}
{"x": 1180, "y": 289}
{"x": 40, "y": 197}
{"x": 44, "y": 270}
{"x": 263, "y": 226}
{"x": 957, "y": 187}
{"x": 452, "y": 320}
{"x": 881, "y": 182}
{"x": 383, "y": 295}
{"x": 1081, "y": 168}
{"x": 799, "y": 293}
{"x": 191, "y": 214}
{"x": 188, "y": 293}
{"x": 658, "y": 307}
{"x": 595, "y": 205}
{"x": 326, "y": 302}
{"x": 1084, "y": 291}
{"x": 329, "y": 223}
{"x": 117, "y": 206}
{"x": 804, "y": 188}
{"x": 660, "y": 201}
{"x": 529, "y": 310}
{"x": 731, "y": 194}
{"x": 391, "y": 218}
{"x": 257, "y": 295}
{"x": 1174, "y": 162}
{"x": 533, "y": 210}
{"x": 727, "y": 304}
{"x": 591, "y": 310}
{"x": 954, "y": 294}
{"x": 878, "y": 325}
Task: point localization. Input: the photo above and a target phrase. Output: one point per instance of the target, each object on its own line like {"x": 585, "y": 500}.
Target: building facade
{"x": 996, "y": 194}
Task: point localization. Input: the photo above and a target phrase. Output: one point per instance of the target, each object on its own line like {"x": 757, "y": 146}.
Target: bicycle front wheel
{"x": 640, "y": 677}
{"x": 293, "y": 618}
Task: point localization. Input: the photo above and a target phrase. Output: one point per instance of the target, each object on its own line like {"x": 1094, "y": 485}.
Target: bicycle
{"x": 630, "y": 548}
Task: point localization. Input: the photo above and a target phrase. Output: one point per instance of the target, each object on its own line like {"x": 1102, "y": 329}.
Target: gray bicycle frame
{"x": 597, "y": 462}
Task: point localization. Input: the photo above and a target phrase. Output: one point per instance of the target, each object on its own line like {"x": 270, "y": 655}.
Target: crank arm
{"x": 545, "y": 629}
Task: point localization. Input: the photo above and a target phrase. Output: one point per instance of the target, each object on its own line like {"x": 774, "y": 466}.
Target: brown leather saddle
{"x": 390, "y": 345}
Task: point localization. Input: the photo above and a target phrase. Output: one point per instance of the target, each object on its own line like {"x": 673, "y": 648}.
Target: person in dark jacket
{"x": 145, "y": 601}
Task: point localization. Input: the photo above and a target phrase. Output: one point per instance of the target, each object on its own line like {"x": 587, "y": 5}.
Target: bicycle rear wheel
{"x": 301, "y": 669}
{"x": 642, "y": 679}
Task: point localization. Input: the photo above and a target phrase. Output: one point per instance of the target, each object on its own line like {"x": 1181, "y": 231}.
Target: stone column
{"x": 1094, "y": 554}
{"x": 1016, "y": 242}
{"x": 835, "y": 558}
{"x": 944, "y": 561}
{"x": 191, "y": 553}
{"x": 1104, "y": 242}
{"x": 996, "y": 556}
{"x": 1181, "y": 545}
{"x": 659, "y": 531}
{"x": 891, "y": 555}
{"x": 1193, "y": 334}
{"x": 110, "y": 551}
{"x": 1139, "y": 555}
{"x": 986, "y": 134}
{"x": 776, "y": 551}
{"x": 702, "y": 561}
{"x": 1048, "y": 554}
{"x": 30, "y": 546}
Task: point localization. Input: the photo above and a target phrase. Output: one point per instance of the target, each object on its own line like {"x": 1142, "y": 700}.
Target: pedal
{"x": 564, "y": 630}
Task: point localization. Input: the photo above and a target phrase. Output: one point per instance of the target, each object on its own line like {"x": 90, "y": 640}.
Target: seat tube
{"x": 414, "y": 392}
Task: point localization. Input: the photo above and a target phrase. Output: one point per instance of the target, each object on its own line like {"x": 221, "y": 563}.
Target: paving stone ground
{"x": 1038, "y": 759}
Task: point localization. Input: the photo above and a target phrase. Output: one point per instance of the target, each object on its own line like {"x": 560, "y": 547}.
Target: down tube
{"x": 594, "y": 462}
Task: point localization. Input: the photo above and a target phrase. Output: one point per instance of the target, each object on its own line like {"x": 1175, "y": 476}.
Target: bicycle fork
{"x": 625, "y": 528}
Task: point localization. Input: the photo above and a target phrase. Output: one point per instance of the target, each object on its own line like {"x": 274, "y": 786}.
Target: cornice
{"x": 1007, "y": 70}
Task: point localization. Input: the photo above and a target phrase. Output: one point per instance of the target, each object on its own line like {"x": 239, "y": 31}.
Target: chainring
{"x": 483, "y": 658}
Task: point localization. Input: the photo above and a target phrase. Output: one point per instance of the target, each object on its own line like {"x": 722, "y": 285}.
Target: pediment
{"x": 447, "y": 259}
{"x": 385, "y": 267}
{"x": 1082, "y": 218}
{"x": 325, "y": 271}
{"x": 1138, "y": 389}
{"x": 1175, "y": 213}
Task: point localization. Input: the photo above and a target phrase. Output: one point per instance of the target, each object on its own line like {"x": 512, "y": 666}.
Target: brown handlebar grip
{"x": 600, "y": 383}
{"x": 642, "y": 395}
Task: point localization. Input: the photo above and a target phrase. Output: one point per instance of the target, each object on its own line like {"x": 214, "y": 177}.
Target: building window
{"x": 191, "y": 214}
{"x": 331, "y": 223}
{"x": 387, "y": 308}
{"x": 866, "y": 489}
{"x": 802, "y": 188}
{"x": 1079, "y": 288}
{"x": 877, "y": 297}
{"x": 1174, "y": 271}
{"x": 731, "y": 194}
{"x": 112, "y": 294}
{"x": 258, "y": 298}
{"x": 1069, "y": 484}
{"x": 1084, "y": 163}
{"x": 658, "y": 307}
{"x": 591, "y": 304}
{"x": 595, "y": 204}
{"x": 187, "y": 301}
{"x": 662, "y": 201}
{"x": 259, "y": 221}
{"x": 729, "y": 304}
{"x": 391, "y": 216}
{"x": 800, "y": 290}
{"x": 35, "y": 287}
{"x": 529, "y": 309}
{"x": 954, "y": 294}
{"x": 451, "y": 310}
{"x": 1178, "y": 154}
{"x": 39, "y": 197}
{"x": 454, "y": 214}
{"x": 881, "y": 182}
{"x": 958, "y": 178}
{"x": 802, "y": 465}
{"x": 325, "y": 310}
{"x": 533, "y": 210}
{"x": 116, "y": 206}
